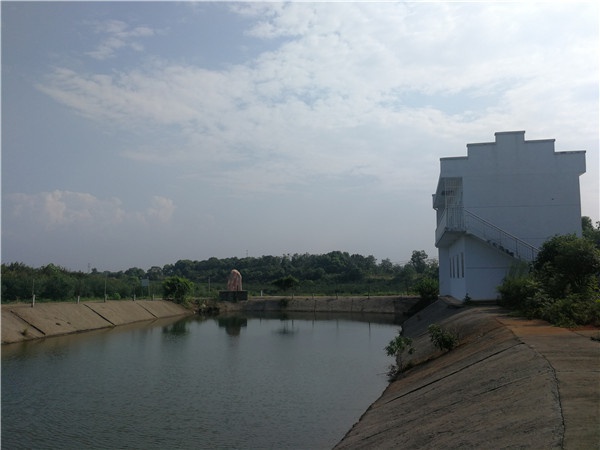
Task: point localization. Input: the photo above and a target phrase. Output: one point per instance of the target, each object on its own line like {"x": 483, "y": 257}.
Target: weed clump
{"x": 442, "y": 339}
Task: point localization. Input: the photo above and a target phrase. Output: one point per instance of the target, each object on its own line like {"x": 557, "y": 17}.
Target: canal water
{"x": 296, "y": 381}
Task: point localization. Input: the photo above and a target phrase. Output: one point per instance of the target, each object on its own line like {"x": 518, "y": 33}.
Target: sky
{"x": 136, "y": 134}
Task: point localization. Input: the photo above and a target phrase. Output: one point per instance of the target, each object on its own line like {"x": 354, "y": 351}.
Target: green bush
{"x": 562, "y": 288}
{"x": 177, "y": 288}
{"x": 442, "y": 339}
{"x": 567, "y": 312}
{"x": 397, "y": 345}
{"x": 428, "y": 288}
{"x": 568, "y": 264}
{"x": 396, "y": 348}
{"x": 516, "y": 291}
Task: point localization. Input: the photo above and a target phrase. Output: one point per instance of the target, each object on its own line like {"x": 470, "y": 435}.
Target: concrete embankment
{"x": 511, "y": 383}
{"x": 21, "y": 322}
{"x": 399, "y": 305}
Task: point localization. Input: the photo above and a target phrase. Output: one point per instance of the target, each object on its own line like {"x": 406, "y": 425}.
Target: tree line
{"x": 335, "y": 272}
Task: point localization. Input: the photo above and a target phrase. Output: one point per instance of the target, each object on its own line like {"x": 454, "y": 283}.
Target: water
{"x": 239, "y": 383}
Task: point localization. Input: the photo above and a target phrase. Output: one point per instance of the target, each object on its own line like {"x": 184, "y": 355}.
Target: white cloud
{"x": 118, "y": 34}
{"x": 66, "y": 209}
{"x": 162, "y": 209}
{"x": 348, "y": 84}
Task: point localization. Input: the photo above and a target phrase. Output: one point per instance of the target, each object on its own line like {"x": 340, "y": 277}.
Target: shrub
{"x": 428, "y": 288}
{"x": 177, "y": 288}
{"x": 395, "y": 348}
{"x": 570, "y": 311}
{"x": 516, "y": 291}
{"x": 568, "y": 264}
{"x": 397, "y": 345}
{"x": 563, "y": 287}
{"x": 467, "y": 300}
{"x": 442, "y": 339}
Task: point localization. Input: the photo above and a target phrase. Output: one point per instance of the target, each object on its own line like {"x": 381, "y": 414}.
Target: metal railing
{"x": 458, "y": 219}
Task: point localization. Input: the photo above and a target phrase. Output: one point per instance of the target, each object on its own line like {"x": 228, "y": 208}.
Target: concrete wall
{"x": 21, "y": 322}
{"x": 373, "y": 304}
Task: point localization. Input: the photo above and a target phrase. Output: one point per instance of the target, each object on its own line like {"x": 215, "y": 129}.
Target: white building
{"x": 498, "y": 205}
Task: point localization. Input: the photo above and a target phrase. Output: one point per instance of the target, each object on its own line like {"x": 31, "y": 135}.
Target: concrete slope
{"x": 576, "y": 363}
{"x": 495, "y": 390}
{"x": 53, "y": 319}
{"x": 21, "y": 322}
{"x": 15, "y": 329}
{"x": 163, "y": 308}
{"x": 120, "y": 313}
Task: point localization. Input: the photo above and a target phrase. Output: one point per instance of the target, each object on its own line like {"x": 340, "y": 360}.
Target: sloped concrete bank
{"x": 21, "y": 322}
{"x": 511, "y": 383}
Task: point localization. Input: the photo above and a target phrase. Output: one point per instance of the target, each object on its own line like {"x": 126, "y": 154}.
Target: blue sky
{"x": 136, "y": 134}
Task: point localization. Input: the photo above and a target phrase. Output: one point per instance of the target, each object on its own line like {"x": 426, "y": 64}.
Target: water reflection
{"x": 232, "y": 324}
{"x": 178, "y": 328}
{"x": 288, "y": 328}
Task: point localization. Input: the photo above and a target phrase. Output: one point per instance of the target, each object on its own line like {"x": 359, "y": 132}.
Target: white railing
{"x": 458, "y": 219}
{"x": 453, "y": 219}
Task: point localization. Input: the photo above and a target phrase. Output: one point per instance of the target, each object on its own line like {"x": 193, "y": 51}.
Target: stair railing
{"x": 499, "y": 238}
{"x": 458, "y": 219}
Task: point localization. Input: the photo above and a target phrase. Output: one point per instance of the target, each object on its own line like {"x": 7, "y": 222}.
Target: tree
{"x": 177, "y": 288}
{"x": 286, "y": 283}
{"x": 589, "y": 232}
{"x": 154, "y": 273}
{"x": 135, "y": 272}
{"x": 563, "y": 286}
{"x": 419, "y": 260}
{"x": 567, "y": 264}
{"x": 386, "y": 266}
{"x": 406, "y": 277}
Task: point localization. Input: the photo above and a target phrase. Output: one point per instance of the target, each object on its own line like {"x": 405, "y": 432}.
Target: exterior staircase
{"x": 457, "y": 220}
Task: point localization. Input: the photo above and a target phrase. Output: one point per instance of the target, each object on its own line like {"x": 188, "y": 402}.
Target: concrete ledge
{"x": 233, "y": 296}
{"x": 380, "y": 304}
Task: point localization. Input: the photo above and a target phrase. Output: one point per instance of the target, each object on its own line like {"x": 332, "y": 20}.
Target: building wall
{"x": 486, "y": 267}
{"x": 445, "y": 287}
{"x": 456, "y": 270}
{"x": 523, "y": 187}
